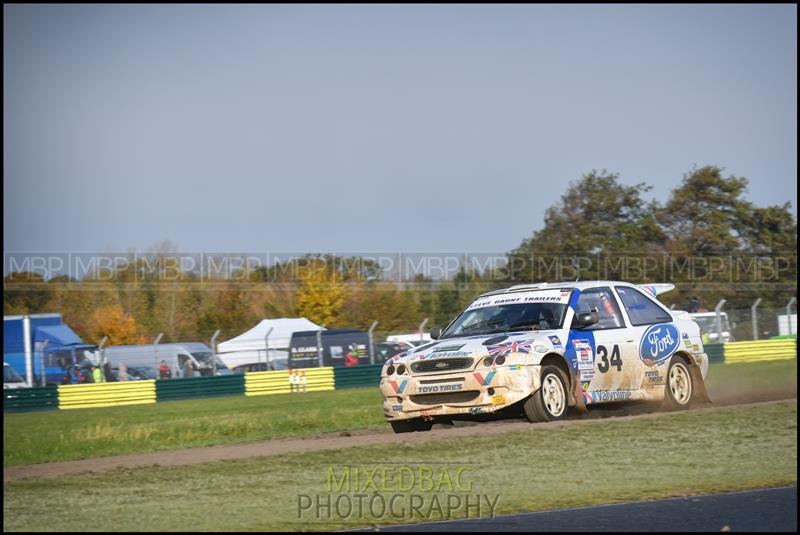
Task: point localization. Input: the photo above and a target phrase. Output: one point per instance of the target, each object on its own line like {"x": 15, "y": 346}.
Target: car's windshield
{"x": 11, "y": 376}
{"x": 520, "y": 311}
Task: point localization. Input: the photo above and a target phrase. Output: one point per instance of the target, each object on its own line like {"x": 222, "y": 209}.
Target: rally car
{"x": 544, "y": 348}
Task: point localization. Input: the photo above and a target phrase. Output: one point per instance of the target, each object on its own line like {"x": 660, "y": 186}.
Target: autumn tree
{"x": 114, "y": 322}
{"x": 321, "y": 293}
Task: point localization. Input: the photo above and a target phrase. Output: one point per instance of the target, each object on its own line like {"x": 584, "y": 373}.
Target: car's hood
{"x": 481, "y": 346}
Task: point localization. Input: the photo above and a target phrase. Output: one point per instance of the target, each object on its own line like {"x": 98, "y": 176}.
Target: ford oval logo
{"x": 441, "y": 365}
{"x": 658, "y": 343}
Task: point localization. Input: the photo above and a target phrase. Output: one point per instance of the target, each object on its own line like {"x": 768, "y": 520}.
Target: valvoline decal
{"x": 659, "y": 342}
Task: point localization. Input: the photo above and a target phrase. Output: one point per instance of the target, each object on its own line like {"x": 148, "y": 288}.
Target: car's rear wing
{"x": 657, "y": 289}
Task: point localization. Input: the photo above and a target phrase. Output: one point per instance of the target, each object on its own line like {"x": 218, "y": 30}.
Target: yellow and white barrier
{"x": 759, "y": 351}
{"x": 106, "y": 394}
{"x": 284, "y": 382}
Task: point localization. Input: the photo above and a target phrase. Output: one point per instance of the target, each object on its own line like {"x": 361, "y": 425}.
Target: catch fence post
{"x": 421, "y": 330}
{"x": 266, "y": 344}
{"x": 155, "y": 352}
{"x": 214, "y": 352}
{"x": 43, "y": 370}
{"x": 372, "y": 342}
{"x": 718, "y": 312}
{"x": 319, "y": 347}
{"x": 754, "y": 318}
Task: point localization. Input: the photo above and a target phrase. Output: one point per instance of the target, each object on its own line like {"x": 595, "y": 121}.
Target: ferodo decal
{"x": 399, "y": 389}
{"x": 658, "y": 343}
{"x": 484, "y": 380}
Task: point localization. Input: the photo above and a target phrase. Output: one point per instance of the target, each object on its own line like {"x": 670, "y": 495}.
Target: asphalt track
{"x": 758, "y": 510}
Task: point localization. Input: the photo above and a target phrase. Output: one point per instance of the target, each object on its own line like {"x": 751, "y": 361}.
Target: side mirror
{"x": 436, "y": 332}
{"x": 586, "y": 319}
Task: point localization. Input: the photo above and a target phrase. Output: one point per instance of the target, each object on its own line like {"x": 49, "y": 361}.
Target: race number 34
{"x": 604, "y": 365}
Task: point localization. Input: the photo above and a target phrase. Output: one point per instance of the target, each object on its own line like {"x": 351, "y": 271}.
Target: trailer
{"x": 44, "y": 349}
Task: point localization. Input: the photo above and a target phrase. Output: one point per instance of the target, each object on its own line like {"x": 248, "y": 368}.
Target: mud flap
{"x": 701, "y": 394}
{"x": 577, "y": 394}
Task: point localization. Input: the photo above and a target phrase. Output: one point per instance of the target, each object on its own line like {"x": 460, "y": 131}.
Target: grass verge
{"x": 585, "y": 463}
{"x": 31, "y": 438}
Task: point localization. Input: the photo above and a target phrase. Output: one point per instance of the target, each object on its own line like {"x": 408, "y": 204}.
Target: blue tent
{"x": 56, "y": 336}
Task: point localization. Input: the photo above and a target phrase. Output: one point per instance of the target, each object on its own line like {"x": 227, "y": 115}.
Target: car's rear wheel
{"x": 407, "y": 426}
{"x": 549, "y": 403}
{"x": 680, "y": 385}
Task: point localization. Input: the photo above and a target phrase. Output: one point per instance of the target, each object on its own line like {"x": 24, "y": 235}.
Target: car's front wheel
{"x": 680, "y": 386}
{"x": 549, "y": 403}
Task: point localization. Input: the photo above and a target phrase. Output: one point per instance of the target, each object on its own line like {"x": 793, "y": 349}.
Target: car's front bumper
{"x": 478, "y": 391}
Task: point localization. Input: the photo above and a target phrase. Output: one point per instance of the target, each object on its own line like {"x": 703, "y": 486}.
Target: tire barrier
{"x": 715, "y": 352}
{"x": 288, "y": 381}
{"x": 30, "y": 399}
{"x": 199, "y": 387}
{"x": 291, "y": 381}
{"x": 357, "y": 376}
{"x": 760, "y": 351}
{"x": 106, "y": 394}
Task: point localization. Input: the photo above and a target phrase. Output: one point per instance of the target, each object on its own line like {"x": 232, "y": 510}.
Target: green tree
{"x": 706, "y": 213}
{"x": 597, "y": 215}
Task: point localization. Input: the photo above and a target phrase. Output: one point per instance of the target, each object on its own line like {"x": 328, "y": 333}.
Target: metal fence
{"x": 753, "y": 322}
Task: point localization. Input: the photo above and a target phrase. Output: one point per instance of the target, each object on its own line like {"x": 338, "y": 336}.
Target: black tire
{"x": 551, "y": 401}
{"x": 680, "y": 387}
{"x": 407, "y": 426}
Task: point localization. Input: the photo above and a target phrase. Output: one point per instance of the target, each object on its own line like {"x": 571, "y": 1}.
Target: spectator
{"x": 107, "y": 375}
{"x": 122, "y": 372}
{"x": 163, "y": 371}
{"x": 97, "y": 374}
{"x": 188, "y": 369}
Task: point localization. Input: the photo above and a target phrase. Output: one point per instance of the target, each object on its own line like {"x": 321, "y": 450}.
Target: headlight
{"x": 487, "y": 362}
{"x": 390, "y": 370}
{"x": 499, "y": 361}
{"x": 401, "y": 369}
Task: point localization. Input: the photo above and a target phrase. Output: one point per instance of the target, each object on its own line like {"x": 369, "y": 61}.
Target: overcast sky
{"x": 374, "y": 128}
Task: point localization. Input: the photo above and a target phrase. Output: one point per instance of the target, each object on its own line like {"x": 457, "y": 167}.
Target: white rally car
{"x": 547, "y": 347}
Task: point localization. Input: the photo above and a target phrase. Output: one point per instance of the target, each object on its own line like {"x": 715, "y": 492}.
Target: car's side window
{"x": 602, "y": 300}
{"x": 641, "y": 310}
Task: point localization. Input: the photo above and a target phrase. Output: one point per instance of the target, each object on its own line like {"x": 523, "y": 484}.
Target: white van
{"x": 11, "y": 378}
{"x": 175, "y": 355}
{"x": 707, "y": 321}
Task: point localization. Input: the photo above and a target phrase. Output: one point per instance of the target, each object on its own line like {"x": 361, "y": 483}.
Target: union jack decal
{"x": 510, "y": 347}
